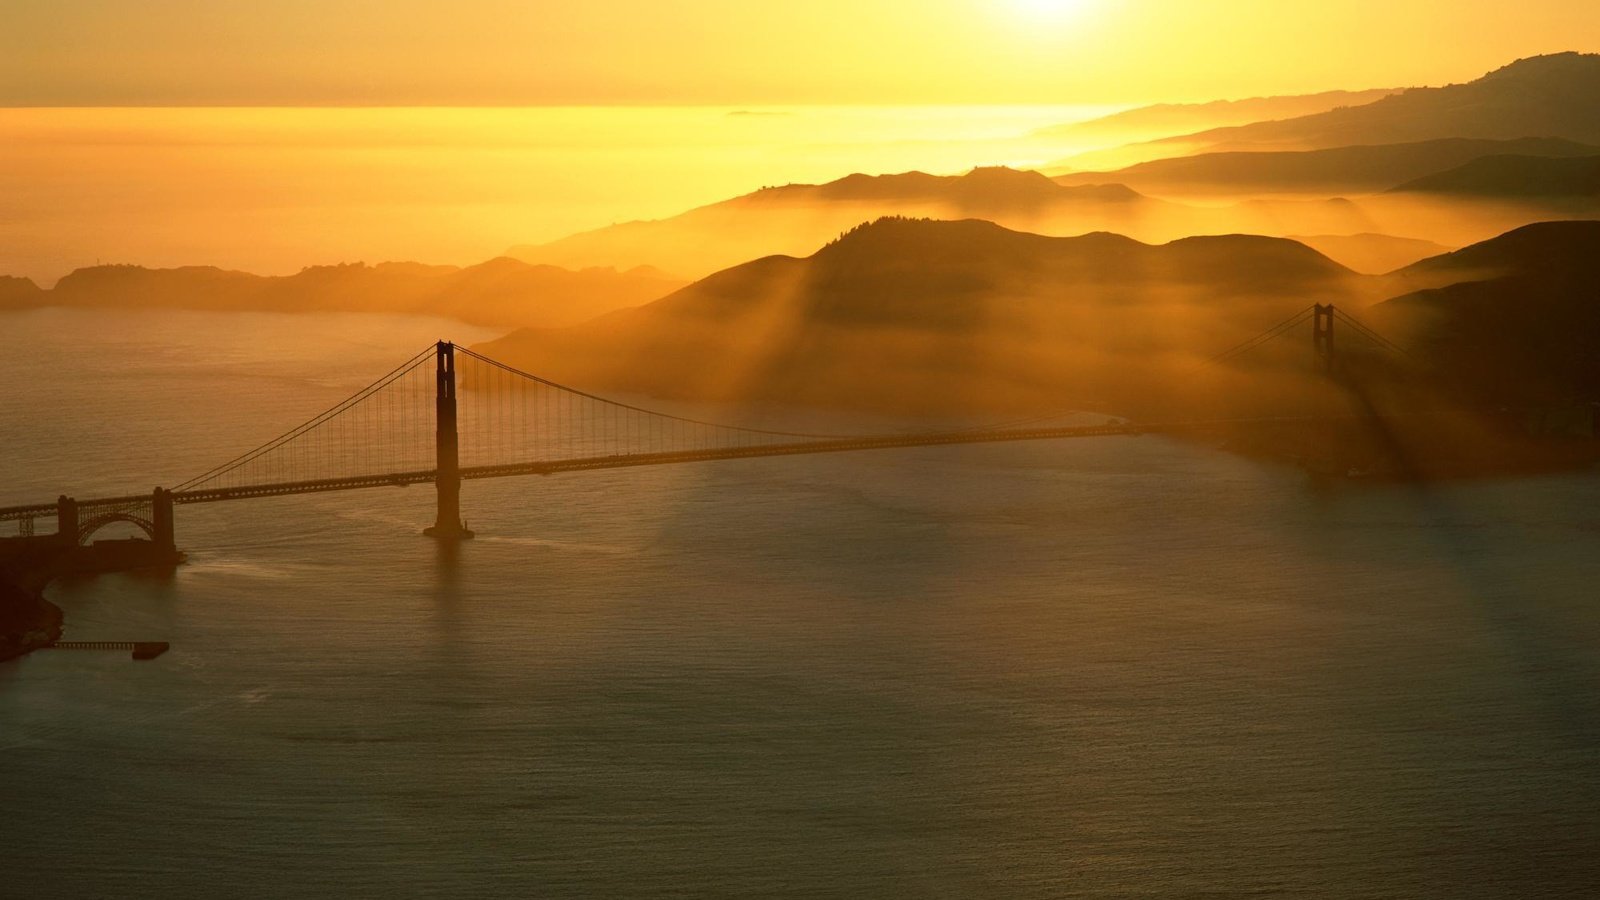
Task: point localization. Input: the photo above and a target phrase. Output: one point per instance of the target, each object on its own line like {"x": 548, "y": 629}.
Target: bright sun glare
{"x": 1050, "y": 10}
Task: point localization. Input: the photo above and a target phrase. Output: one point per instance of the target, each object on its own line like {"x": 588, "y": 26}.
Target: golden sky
{"x": 536, "y": 52}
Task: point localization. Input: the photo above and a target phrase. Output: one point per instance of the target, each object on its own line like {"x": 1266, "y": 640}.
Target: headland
{"x": 28, "y": 564}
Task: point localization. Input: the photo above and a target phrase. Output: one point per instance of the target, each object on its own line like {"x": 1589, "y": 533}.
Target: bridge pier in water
{"x": 447, "y": 524}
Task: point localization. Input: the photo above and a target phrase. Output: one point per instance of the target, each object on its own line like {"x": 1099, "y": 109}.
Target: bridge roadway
{"x": 587, "y": 464}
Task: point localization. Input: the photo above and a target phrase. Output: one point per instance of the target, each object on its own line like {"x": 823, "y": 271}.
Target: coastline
{"x": 40, "y": 623}
{"x": 28, "y": 621}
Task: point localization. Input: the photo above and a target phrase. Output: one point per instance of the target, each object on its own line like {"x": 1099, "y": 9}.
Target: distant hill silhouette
{"x": 1291, "y": 215}
{"x": 1288, "y": 193}
{"x": 796, "y": 219}
{"x": 916, "y": 315}
{"x": 990, "y": 188}
{"x": 498, "y": 292}
{"x": 1183, "y": 118}
{"x": 18, "y": 292}
{"x": 1152, "y": 132}
{"x": 1521, "y": 323}
{"x": 1516, "y": 177}
{"x": 1356, "y": 169}
{"x": 1542, "y": 96}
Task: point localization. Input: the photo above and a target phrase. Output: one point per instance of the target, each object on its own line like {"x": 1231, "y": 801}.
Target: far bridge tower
{"x": 1326, "y": 360}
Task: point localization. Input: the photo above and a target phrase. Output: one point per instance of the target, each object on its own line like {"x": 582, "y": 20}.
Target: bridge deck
{"x": 586, "y": 464}
{"x": 621, "y": 461}
{"x": 632, "y": 460}
{"x": 36, "y": 510}
{"x": 843, "y": 445}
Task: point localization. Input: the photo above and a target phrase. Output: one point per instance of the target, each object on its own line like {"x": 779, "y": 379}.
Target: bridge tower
{"x": 1322, "y": 340}
{"x": 447, "y": 450}
{"x": 67, "y": 521}
{"x": 161, "y": 520}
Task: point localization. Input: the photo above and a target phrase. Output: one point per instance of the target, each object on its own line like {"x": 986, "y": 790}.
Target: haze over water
{"x": 271, "y": 190}
{"x": 1121, "y": 667}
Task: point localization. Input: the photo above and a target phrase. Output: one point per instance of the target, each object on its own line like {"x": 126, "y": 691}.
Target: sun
{"x": 1050, "y": 10}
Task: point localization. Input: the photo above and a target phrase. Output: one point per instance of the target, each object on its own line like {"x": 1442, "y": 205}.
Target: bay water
{"x": 1120, "y": 667}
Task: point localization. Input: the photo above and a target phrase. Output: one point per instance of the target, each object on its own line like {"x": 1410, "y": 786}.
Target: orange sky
{"x": 528, "y": 52}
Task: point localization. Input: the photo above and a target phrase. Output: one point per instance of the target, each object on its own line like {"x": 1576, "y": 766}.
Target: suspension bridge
{"x": 449, "y": 415}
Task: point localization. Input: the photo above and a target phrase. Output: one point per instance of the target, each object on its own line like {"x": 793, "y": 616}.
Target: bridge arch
{"x": 90, "y": 526}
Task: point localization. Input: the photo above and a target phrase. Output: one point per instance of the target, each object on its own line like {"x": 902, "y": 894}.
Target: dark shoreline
{"x": 1442, "y": 449}
{"x": 42, "y": 621}
{"x": 28, "y": 621}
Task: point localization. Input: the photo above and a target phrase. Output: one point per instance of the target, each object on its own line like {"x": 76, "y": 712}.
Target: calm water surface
{"x": 1122, "y": 667}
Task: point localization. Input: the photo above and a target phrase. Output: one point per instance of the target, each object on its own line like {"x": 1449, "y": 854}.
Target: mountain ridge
{"x": 1171, "y": 117}
{"x": 795, "y": 219}
{"x": 1514, "y": 176}
{"x": 1355, "y": 168}
{"x": 909, "y": 314}
{"x": 1553, "y": 95}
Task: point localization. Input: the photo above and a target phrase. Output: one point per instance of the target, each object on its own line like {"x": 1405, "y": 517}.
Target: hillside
{"x": 795, "y": 219}
{"x": 1520, "y": 324}
{"x": 916, "y": 316}
{"x": 501, "y": 292}
{"x": 1354, "y": 169}
{"x": 1516, "y": 177}
{"x": 1561, "y": 247}
{"x": 1543, "y": 96}
{"x": 922, "y": 317}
